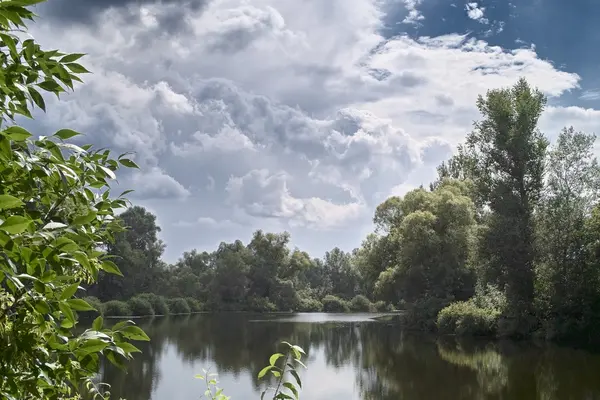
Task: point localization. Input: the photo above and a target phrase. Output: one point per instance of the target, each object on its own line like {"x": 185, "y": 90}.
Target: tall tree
{"x": 137, "y": 251}
{"x": 567, "y": 276}
{"x": 509, "y": 151}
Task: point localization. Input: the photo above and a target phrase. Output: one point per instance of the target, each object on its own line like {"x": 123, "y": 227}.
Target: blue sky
{"x": 303, "y": 116}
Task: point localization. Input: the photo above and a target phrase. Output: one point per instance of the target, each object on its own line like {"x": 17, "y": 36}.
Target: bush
{"x": 310, "y": 305}
{"x": 382, "y": 306}
{"x": 466, "y": 318}
{"x": 260, "y": 304}
{"x": 361, "y": 304}
{"x": 116, "y": 308}
{"x": 140, "y": 307}
{"x": 159, "y": 303}
{"x": 178, "y": 306}
{"x": 195, "y": 305}
{"x": 334, "y": 304}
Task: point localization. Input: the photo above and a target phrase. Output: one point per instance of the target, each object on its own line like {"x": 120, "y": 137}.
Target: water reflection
{"x": 348, "y": 359}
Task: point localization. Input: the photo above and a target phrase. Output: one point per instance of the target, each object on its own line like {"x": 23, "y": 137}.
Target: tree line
{"x": 506, "y": 241}
{"x": 263, "y": 275}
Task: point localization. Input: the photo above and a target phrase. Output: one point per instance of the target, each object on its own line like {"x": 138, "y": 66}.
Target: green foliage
{"x": 260, "y": 304}
{"x": 56, "y": 216}
{"x": 422, "y": 315}
{"x": 281, "y": 364}
{"x": 466, "y": 318}
{"x": 117, "y": 308}
{"x": 140, "y": 306}
{"x": 382, "y": 306}
{"x": 195, "y": 305}
{"x": 334, "y": 304}
{"x": 96, "y": 304}
{"x": 178, "y": 306}
{"x": 159, "y": 303}
{"x": 361, "y": 304}
{"x": 310, "y": 305}
{"x": 212, "y": 392}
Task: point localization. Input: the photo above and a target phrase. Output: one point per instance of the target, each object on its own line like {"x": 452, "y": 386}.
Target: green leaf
{"x": 54, "y": 225}
{"x": 133, "y": 332}
{"x": 296, "y": 376}
{"x": 264, "y": 371}
{"x": 51, "y": 86}
{"x": 92, "y": 346}
{"x": 69, "y": 291}
{"x": 67, "y": 312}
{"x": 85, "y": 219}
{"x": 292, "y": 388}
{"x": 108, "y": 172}
{"x": 7, "y": 201}
{"x": 66, "y": 134}
{"x": 273, "y": 359}
{"x": 97, "y": 324}
{"x": 110, "y": 267}
{"x": 80, "y": 305}
{"x": 69, "y": 58}
{"x": 17, "y": 134}
{"x": 128, "y": 347}
{"x": 37, "y": 98}
{"x": 128, "y": 163}
{"x": 77, "y": 68}
{"x": 15, "y": 224}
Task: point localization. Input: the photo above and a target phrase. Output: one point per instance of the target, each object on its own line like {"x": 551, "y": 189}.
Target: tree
{"x": 510, "y": 151}
{"x": 567, "y": 275}
{"x": 56, "y": 214}
{"x": 137, "y": 251}
{"x": 269, "y": 253}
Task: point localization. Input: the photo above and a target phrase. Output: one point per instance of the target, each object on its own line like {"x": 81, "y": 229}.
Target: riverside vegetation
{"x": 505, "y": 242}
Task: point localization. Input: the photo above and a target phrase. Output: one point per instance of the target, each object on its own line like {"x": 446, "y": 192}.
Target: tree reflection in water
{"x": 387, "y": 363}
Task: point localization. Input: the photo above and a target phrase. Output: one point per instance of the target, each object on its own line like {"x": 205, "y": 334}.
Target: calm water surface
{"x": 350, "y": 357}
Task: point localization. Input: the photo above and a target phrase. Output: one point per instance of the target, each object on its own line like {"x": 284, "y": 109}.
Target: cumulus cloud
{"x": 154, "y": 183}
{"x": 414, "y": 15}
{"x": 476, "y": 12}
{"x": 275, "y": 113}
{"x": 262, "y": 194}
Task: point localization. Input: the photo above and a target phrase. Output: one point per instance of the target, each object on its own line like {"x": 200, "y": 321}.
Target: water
{"x": 350, "y": 357}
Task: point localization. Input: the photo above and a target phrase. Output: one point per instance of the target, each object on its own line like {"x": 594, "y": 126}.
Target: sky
{"x": 303, "y": 116}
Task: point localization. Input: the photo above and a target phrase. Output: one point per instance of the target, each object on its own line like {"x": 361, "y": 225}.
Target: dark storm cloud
{"x": 85, "y": 11}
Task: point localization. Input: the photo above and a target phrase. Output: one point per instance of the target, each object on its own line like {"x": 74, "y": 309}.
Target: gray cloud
{"x": 86, "y": 11}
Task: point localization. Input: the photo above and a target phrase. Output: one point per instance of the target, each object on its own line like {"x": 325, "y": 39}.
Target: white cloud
{"x": 262, "y": 194}
{"x": 300, "y": 114}
{"x": 476, "y": 12}
{"x": 414, "y": 15}
{"x": 154, "y": 183}
{"x": 592, "y": 94}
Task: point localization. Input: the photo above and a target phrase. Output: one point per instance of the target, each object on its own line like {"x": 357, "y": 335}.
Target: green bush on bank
{"x": 382, "y": 306}
{"x": 159, "y": 303}
{"x": 466, "y": 318}
{"x": 178, "y": 306}
{"x": 310, "y": 305}
{"x": 260, "y": 304}
{"x": 194, "y": 304}
{"x": 361, "y": 304}
{"x": 140, "y": 306}
{"x": 116, "y": 308}
{"x": 334, "y": 304}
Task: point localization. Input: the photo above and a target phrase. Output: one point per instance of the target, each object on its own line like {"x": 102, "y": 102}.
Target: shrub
{"x": 140, "y": 306}
{"x": 159, "y": 303}
{"x": 466, "y": 318}
{"x": 97, "y": 304}
{"x": 361, "y": 304}
{"x": 195, "y": 305}
{"x": 260, "y": 304}
{"x": 116, "y": 308}
{"x": 310, "y": 305}
{"x": 178, "y": 306}
{"x": 334, "y": 304}
{"x": 382, "y": 306}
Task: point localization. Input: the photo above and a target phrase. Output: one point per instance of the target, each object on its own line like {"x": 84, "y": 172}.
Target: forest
{"x": 505, "y": 242}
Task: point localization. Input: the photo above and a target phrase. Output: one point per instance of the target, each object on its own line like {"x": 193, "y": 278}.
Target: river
{"x": 349, "y": 357}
